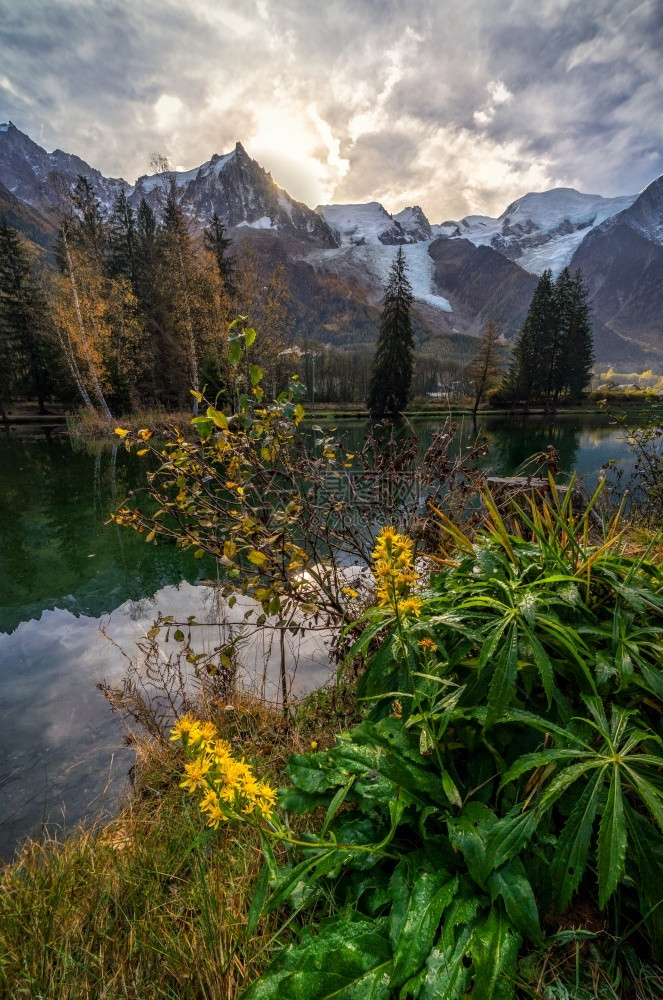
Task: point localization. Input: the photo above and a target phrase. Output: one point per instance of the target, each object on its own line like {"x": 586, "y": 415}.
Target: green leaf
{"x": 509, "y": 836}
{"x": 304, "y": 875}
{"x": 346, "y": 960}
{"x": 218, "y": 418}
{"x": 646, "y": 849}
{"x": 503, "y": 683}
{"x": 235, "y": 354}
{"x": 495, "y": 947}
{"x": 249, "y": 336}
{"x": 335, "y": 805}
{"x": 543, "y": 663}
{"x": 256, "y": 373}
{"x": 612, "y": 840}
{"x": 204, "y": 427}
{"x": 430, "y": 896}
{"x": 448, "y": 969}
{"x": 178, "y": 635}
{"x": 258, "y": 901}
{"x": 573, "y": 844}
{"x": 511, "y": 884}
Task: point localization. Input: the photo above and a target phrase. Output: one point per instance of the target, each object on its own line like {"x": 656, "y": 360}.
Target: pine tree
{"x": 216, "y": 241}
{"x": 393, "y": 365}
{"x": 484, "y": 372}
{"x": 25, "y": 325}
{"x": 574, "y": 370}
{"x": 122, "y": 239}
{"x": 553, "y": 354}
{"x": 529, "y": 372}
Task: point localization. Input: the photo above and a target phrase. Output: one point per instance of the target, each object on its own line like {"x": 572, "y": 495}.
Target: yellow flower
{"x": 314, "y": 744}
{"x": 427, "y": 644}
{"x": 394, "y": 571}
{"x": 208, "y": 730}
{"x": 410, "y": 606}
{"x": 196, "y": 771}
{"x": 186, "y": 726}
{"x": 215, "y": 814}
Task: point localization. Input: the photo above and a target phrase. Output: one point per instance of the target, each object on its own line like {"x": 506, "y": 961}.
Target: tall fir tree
{"x": 484, "y": 372}
{"x": 218, "y": 244}
{"x": 393, "y": 365}
{"x": 26, "y": 331}
{"x": 530, "y": 361}
{"x": 553, "y": 354}
{"x": 122, "y": 240}
{"x": 574, "y": 370}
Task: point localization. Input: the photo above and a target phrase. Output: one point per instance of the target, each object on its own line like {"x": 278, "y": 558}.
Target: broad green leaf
{"x": 468, "y": 833}
{"x": 218, "y": 417}
{"x": 430, "y": 896}
{"x": 335, "y": 805}
{"x": 346, "y": 960}
{"x": 448, "y": 971}
{"x": 249, "y": 336}
{"x": 512, "y": 885}
{"x": 573, "y": 844}
{"x": 494, "y": 945}
{"x": 612, "y": 840}
{"x": 204, "y": 427}
{"x": 255, "y": 371}
{"x": 256, "y": 557}
{"x": 509, "y": 836}
{"x": 304, "y": 875}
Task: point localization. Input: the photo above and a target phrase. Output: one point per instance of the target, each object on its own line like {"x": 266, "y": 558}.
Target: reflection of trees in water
{"x": 55, "y": 550}
{"x": 515, "y": 442}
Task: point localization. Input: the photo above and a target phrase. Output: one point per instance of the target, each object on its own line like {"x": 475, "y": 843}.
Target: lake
{"x": 64, "y": 572}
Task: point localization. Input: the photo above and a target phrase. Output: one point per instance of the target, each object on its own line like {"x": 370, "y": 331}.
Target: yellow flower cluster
{"x": 228, "y": 786}
{"x": 394, "y": 571}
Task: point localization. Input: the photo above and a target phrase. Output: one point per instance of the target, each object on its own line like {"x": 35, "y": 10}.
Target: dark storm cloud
{"x": 460, "y": 106}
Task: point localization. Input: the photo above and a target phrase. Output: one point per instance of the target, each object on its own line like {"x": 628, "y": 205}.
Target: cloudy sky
{"x": 457, "y": 105}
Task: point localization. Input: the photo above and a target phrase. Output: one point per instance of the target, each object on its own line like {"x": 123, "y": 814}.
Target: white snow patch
{"x": 375, "y": 260}
{"x": 263, "y": 223}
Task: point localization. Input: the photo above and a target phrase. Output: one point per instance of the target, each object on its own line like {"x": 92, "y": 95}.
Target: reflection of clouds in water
{"x": 59, "y": 741}
{"x": 259, "y": 653}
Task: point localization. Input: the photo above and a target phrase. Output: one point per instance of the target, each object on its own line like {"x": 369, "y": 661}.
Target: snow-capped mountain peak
{"x": 370, "y": 223}
{"x": 542, "y": 229}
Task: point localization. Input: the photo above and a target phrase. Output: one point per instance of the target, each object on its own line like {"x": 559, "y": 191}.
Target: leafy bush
{"x": 508, "y": 770}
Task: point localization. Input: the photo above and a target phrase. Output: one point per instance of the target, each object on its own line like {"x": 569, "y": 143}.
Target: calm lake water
{"x": 63, "y": 572}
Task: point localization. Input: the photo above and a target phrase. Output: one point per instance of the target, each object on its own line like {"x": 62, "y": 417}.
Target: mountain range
{"x": 337, "y": 257}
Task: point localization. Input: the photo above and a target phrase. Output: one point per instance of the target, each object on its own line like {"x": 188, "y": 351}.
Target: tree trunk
{"x": 68, "y": 352}
{"x": 86, "y": 347}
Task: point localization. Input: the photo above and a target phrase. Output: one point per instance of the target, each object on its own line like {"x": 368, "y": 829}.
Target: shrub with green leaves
{"x": 509, "y": 769}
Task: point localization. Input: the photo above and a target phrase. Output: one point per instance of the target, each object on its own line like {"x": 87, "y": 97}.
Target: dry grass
{"x": 152, "y": 905}
{"x": 86, "y": 424}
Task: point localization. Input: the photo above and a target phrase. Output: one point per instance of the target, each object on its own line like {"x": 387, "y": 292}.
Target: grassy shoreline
{"x": 151, "y": 903}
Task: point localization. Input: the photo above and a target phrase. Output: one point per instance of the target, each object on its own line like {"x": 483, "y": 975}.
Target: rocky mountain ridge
{"x": 462, "y": 272}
